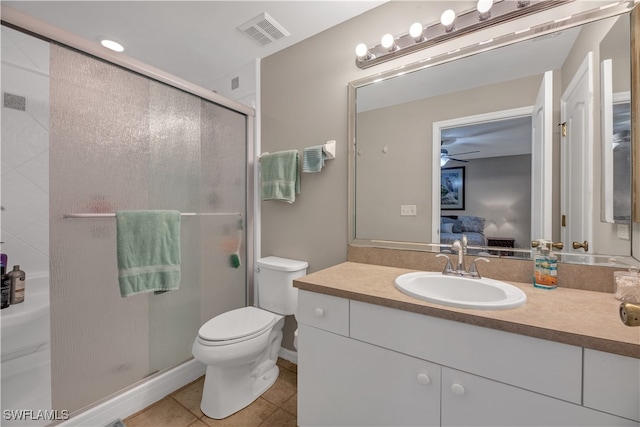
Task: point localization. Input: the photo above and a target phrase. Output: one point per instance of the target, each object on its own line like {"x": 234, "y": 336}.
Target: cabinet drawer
{"x": 538, "y": 365}
{"x": 612, "y": 383}
{"x": 323, "y": 311}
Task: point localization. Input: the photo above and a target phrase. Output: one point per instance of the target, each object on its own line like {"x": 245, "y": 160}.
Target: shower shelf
{"x": 112, "y": 214}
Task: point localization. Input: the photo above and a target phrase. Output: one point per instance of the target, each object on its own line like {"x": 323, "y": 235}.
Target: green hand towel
{"x": 280, "y": 176}
{"x": 148, "y": 245}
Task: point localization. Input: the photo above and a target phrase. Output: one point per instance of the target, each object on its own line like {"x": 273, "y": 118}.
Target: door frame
{"x": 460, "y": 121}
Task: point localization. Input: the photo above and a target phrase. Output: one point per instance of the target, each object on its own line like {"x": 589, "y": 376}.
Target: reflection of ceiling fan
{"x": 445, "y": 156}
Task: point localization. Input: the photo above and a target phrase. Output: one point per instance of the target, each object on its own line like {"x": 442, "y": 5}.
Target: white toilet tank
{"x": 275, "y": 283}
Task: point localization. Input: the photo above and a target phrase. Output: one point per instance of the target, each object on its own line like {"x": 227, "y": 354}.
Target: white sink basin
{"x": 455, "y": 291}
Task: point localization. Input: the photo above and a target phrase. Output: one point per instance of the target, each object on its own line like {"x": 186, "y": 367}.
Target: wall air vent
{"x": 263, "y": 29}
{"x": 15, "y": 102}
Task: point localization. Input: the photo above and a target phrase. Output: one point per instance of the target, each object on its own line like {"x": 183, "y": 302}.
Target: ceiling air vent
{"x": 263, "y": 29}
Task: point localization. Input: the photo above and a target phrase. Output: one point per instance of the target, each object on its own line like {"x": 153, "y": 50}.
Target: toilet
{"x": 240, "y": 347}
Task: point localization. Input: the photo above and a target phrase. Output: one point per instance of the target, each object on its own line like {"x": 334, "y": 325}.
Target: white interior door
{"x": 577, "y": 157}
{"x": 542, "y": 160}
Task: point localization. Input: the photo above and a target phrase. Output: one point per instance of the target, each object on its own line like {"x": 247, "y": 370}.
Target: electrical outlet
{"x": 623, "y": 231}
{"x": 408, "y": 210}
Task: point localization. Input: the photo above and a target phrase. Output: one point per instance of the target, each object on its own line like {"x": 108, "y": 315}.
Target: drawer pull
{"x": 424, "y": 379}
{"x": 458, "y": 390}
{"x": 319, "y": 312}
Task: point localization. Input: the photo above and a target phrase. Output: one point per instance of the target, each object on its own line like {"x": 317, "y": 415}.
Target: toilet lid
{"x": 236, "y": 324}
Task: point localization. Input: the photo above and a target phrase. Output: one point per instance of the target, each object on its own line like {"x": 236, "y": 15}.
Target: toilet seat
{"x": 236, "y": 325}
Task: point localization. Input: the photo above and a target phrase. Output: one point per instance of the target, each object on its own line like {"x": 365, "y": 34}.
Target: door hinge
{"x": 564, "y": 220}
{"x": 563, "y": 128}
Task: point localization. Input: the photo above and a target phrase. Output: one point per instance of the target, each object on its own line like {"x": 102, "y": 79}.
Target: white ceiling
{"x": 195, "y": 40}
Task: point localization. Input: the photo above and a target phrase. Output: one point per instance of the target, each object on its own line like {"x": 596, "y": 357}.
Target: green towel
{"x": 148, "y": 251}
{"x": 280, "y": 176}
{"x": 313, "y": 159}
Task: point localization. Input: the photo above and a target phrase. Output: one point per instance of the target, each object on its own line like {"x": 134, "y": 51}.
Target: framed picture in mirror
{"x": 452, "y": 188}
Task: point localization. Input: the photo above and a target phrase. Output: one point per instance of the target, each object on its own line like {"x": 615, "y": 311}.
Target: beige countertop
{"x": 582, "y": 318}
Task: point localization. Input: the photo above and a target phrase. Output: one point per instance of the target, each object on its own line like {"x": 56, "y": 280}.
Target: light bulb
{"x": 388, "y": 42}
{"x": 447, "y": 18}
{"x": 484, "y": 8}
{"x": 110, "y": 44}
{"x": 416, "y": 31}
{"x": 362, "y": 51}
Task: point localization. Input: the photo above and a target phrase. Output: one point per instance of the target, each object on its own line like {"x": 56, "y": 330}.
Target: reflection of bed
{"x": 453, "y": 227}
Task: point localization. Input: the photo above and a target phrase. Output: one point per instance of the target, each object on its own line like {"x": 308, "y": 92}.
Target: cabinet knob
{"x": 424, "y": 379}
{"x": 458, "y": 390}
{"x": 319, "y": 312}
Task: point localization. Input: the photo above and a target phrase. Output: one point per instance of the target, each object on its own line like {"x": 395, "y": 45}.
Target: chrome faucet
{"x": 460, "y": 270}
{"x": 458, "y": 246}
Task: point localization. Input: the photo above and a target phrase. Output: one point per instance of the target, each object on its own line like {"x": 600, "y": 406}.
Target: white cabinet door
{"x": 612, "y": 383}
{"x": 468, "y": 400}
{"x": 344, "y": 382}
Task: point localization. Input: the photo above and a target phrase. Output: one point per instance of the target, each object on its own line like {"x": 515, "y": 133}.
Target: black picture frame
{"x": 452, "y": 191}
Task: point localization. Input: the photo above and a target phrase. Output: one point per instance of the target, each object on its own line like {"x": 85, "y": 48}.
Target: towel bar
{"x": 113, "y": 215}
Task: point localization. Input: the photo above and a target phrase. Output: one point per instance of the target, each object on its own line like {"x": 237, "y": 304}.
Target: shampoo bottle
{"x": 18, "y": 279}
{"x": 5, "y": 290}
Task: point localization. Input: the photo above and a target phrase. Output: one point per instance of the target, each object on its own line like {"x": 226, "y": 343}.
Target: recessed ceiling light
{"x": 110, "y": 44}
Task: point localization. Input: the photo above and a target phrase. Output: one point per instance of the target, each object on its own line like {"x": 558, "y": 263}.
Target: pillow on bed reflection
{"x": 457, "y": 225}
{"x": 472, "y": 223}
{"x": 447, "y": 227}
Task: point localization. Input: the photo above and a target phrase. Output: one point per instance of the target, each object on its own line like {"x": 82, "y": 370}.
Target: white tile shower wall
{"x": 24, "y": 192}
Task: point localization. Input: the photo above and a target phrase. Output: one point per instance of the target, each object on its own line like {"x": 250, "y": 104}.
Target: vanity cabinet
{"x": 364, "y": 364}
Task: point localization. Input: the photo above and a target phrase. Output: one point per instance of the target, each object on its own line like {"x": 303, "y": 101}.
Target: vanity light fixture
{"x": 110, "y": 44}
{"x": 451, "y": 24}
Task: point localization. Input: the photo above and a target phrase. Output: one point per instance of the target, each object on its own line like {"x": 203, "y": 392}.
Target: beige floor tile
{"x": 280, "y": 418}
{"x": 251, "y": 416}
{"x": 166, "y": 413}
{"x": 285, "y": 386}
{"x": 283, "y": 363}
{"x": 190, "y": 396}
{"x": 198, "y": 423}
{"x": 291, "y": 405}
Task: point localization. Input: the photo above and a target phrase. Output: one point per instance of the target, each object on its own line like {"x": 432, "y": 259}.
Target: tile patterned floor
{"x": 276, "y": 407}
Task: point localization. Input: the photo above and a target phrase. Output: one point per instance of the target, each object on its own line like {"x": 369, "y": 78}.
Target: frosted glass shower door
{"x": 121, "y": 141}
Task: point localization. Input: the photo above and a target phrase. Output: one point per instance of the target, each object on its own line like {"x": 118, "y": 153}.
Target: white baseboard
{"x": 139, "y": 397}
{"x": 291, "y": 356}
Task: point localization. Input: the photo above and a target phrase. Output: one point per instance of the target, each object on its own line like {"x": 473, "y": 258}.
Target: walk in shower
{"x": 122, "y": 141}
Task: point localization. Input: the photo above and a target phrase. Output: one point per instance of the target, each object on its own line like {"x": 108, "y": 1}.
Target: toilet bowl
{"x": 240, "y": 347}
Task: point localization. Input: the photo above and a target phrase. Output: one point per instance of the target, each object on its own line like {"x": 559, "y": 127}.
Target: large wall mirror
{"x": 530, "y": 140}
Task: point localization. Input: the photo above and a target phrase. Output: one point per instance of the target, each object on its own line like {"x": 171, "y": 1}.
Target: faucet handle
{"x": 448, "y": 268}
{"x": 465, "y": 243}
{"x": 473, "y": 270}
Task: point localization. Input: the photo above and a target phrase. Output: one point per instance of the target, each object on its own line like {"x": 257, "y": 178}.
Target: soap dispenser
{"x": 545, "y": 266}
